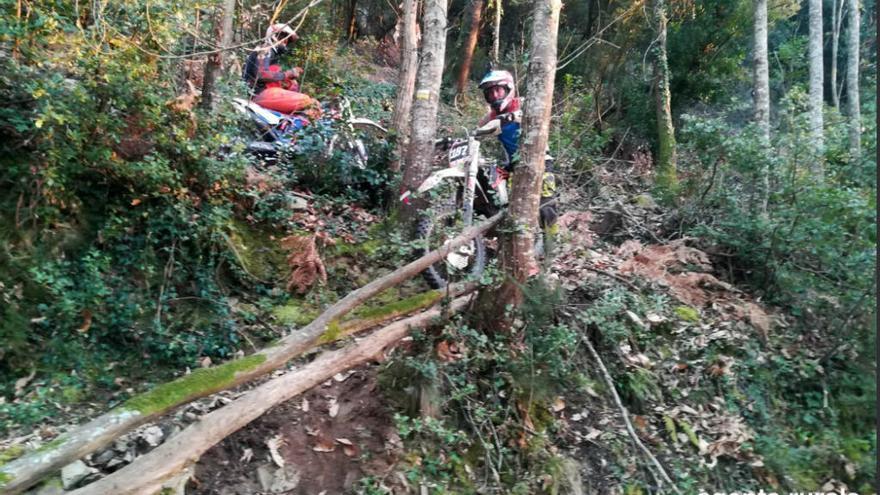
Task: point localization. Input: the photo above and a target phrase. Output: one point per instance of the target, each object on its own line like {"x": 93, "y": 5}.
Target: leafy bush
{"x": 811, "y": 253}
{"x": 488, "y": 386}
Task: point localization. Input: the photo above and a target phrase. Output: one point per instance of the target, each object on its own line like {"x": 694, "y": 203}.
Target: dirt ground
{"x": 319, "y": 443}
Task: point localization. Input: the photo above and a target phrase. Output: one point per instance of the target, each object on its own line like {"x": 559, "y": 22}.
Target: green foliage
{"x": 574, "y": 141}
{"x": 810, "y": 254}
{"x": 130, "y": 228}
{"x": 706, "y": 51}
{"x": 492, "y": 385}
{"x": 294, "y": 313}
{"x": 687, "y": 313}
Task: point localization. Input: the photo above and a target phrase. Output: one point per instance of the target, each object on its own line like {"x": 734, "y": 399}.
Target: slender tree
{"x": 223, "y": 27}
{"x": 518, "y": 256}
{"x": 470, "y": 44}
{"x": 406, "y": 77}
{"x": 351, "y": 20}
{"x": 816, "y": 78}
{"x": 496, "y": 32}
{"x": 852, "y": 79}
{"x": 667, "y": 179}
{"x": 836, "y": 22}
{"x": 762, "y": 70}
{"x": 423, "y": 123}
{"x": 762, "y": 93}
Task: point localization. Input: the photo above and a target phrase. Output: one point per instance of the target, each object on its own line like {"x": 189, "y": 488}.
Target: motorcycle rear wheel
{"x": 434, "y": 231}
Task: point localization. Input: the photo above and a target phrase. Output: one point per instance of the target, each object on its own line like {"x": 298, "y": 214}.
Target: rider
{"x": 273, "y": 88}
{"x": 499, "y": 91}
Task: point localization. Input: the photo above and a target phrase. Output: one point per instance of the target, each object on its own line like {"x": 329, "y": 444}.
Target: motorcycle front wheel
{"x": 436, "y": 230}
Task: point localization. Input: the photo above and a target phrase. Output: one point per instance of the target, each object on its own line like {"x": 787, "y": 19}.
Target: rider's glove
{"x": 293, "y": 73}
{"x": 290, "y": 85}
{"x": 506, "y": 118}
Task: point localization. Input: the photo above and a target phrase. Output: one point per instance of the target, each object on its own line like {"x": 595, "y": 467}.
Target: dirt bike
{"x": 468, "y": 185}
{"x": 277, "y": 132}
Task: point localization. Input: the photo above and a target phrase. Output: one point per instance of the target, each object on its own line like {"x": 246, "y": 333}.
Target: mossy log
{"x": 24, "y": 472}
{"x": 148, "y": 473}
{"x": 373, "y": 317}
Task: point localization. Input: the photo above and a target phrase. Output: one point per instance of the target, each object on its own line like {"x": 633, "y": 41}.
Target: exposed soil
{"x": 322, "y": 447}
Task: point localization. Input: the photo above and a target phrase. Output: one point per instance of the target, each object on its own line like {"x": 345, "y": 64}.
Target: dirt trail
{"x": 322, "y": 442}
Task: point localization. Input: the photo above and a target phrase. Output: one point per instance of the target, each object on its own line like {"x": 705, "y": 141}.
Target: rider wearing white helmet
{"x": 273, "y": 88}
{"x": 499, "y": 91}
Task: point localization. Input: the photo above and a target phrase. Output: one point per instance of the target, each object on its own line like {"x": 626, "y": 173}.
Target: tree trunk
{"x": 852, "y": 80}
{"x": 816, "y": 81}
{"x": 406, "y": 78}
{"x": 667, "y": 179}
{"x": 423, "y": 124}
{"x": 148, "y": 473}
{"x": 836, "y": 22}
{"x": 223, "y": 27}
{"x": 351, "y": 20}
{"x": 470, "y": 45}
{"x": 518, "y": 256}
{"x": 24, "y": 472}
{"x": 762, "y": 94}
{"x": 496, "y": 33}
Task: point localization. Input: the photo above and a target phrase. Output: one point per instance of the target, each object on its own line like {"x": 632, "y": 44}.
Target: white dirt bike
{"x": 466, "y": 186}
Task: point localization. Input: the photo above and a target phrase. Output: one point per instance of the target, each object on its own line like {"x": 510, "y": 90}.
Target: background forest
{"x": 137, "y": 242}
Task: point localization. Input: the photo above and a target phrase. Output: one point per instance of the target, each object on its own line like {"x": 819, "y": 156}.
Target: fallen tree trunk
{"x": 148, "y": 473}
{"x": 24, "y": 472}
{"x": 374, "y": 317}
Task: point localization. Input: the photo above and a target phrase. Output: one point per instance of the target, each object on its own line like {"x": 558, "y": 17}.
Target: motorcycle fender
{"x": 439, "y": 176}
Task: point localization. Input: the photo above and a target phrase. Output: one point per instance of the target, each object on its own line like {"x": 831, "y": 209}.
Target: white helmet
{"x": 278, "y": 32}
{"x": 501, "y": 78}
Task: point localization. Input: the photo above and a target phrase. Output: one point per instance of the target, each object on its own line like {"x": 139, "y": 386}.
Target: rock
{"x": 103, "y": 457}
{"x": 265, "y": 476}
{"x": 278, "y": 480}
{"x": 286, "y": 479}
{"x": 115, "y": 464}
{"x": 171, "y": 431}
{"x": 298, "y": 203}
{"x": 52, "y": 486}
{"x": 177, "y": 484}
{"x": 74, "y": 473}
{"x": 121, "y": 445}
{"x": 153, "y": 436}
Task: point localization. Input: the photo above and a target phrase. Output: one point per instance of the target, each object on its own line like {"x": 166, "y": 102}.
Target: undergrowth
{"x": 490, "y": 392}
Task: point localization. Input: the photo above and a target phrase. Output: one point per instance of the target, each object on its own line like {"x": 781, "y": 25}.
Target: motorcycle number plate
{"x": 458, "y": 152}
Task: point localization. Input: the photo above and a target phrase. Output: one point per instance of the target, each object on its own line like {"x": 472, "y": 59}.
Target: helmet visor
{"x": 495, "y": 93}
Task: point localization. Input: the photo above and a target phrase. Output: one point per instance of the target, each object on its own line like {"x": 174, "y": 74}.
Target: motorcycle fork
{"x": 470, "y": 181}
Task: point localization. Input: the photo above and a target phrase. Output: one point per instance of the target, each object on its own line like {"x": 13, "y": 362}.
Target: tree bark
{"x": 852, "y": 80}
{"x": 836, "y": 22}
{"x": 496, "y": 33}
{"x": 816, "y": 81}
{"x": 518, "y": 256}
{"x": 423, "y": 123}
{"x": 148, "y": 473}
{"x": 351, "y": 20}
{"x": 762, "y": 94}
{"x": 406, "y": 78}
{"x": 223, "y": 27}
{"x": 20, "y": 474}
{"x": 470, "y": 45}
{"x": 667, "y": 179}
